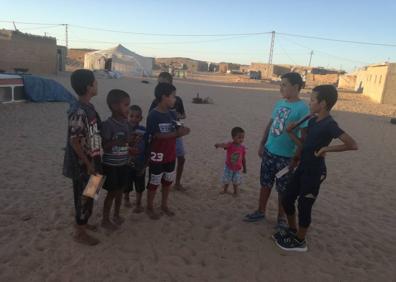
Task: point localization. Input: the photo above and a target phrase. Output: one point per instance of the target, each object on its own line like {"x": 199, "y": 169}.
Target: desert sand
{"x": 352, "y": 237}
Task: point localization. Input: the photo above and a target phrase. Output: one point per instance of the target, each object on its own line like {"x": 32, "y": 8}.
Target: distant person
{"x": 138, "y": 164}
{"x": 178, "y": 108}
{"x": 116, "y": 135}
{"x": 311, "y": 171}
{"x": 83, "y": 150}
{"x": 235, "y": 160}
{"x": 163, "y": 130}
{"x": 277, "y": 148}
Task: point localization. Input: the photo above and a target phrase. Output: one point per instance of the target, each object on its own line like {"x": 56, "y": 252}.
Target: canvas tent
{"x": 119, "y": 59}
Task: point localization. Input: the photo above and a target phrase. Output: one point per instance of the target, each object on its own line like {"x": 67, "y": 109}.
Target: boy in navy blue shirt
{"x": 138, "y": 163}
{"x": 311, "y": 171}
{"x": 163, "y": 130}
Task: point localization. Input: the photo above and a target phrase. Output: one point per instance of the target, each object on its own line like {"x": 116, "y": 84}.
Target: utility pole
{"x": 66, "y": 35}
{"x": 14, "y": 26}
{"x": 310, "y": 58}
{"x": 271, "y": 54}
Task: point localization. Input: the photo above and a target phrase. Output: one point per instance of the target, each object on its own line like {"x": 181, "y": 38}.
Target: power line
{"x": 338, "y": 40}
{"x": 213, "y": 35}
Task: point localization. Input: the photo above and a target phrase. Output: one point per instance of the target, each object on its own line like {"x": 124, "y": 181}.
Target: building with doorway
{"x": 378, "y": 82}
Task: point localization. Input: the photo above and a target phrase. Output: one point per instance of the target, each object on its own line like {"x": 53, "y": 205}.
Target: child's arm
{"x": 264, "y": 139}
{"x": 181, "y": 131}
{"x": 293, "y": 136}
{"x": 76, "y": 145}
{"x": 221, "y": 145}
{"x": 244, "y": 165}
{"x": 349, "y": 144}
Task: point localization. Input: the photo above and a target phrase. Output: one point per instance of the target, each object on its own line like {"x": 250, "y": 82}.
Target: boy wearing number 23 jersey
{"x": 162, "y": 130}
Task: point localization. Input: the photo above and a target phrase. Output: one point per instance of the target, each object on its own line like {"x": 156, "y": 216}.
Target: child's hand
{"x": 90, "y": 169}
{"x": 133, "y": 151}
{"x": 216, "y": 146}
{"x": 290, "y": 127}
{"x": 182, "y": 131}
{"x": 293, "y": 164}
{"x": 261, "y": 152}
{"x": 142, "y": 171}
{"x": 321, "y": 153}
{"x": 244, "y": 170}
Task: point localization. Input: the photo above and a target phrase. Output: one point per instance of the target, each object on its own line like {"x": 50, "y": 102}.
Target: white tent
{"x": 119, "y": 59}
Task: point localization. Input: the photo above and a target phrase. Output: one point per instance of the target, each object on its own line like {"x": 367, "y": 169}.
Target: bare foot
{"x": 92, "y": 227}
{"x": 167, "y": 211}
{"x": 180, "y": 187}
{"x": 138, "y": 209}
{"x": 83, "y": 238}
{"x": 152, "y": 214}
{"x": 118, "y": 220}
{"x": 223, "y": 192}
{"x": 107, "y": 224}
{"x": 127, "y": 203}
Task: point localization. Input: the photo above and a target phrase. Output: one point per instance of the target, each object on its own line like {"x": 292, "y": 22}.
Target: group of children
{"x": 293, "y": 147}
{"x": 121, "y": 149}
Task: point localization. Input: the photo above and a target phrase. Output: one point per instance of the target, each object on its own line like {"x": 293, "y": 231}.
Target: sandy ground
{"x": 352, "y": 236}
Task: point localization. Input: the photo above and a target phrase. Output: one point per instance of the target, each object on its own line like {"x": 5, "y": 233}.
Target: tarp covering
{"x": 121, "y": 60}
{"x": 38, "y": 89}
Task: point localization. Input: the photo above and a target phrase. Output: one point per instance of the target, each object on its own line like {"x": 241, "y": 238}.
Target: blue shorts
{"x": 230, "y": 176}
{"x": 270, "y": 165}
{"x": 180, "y": 147}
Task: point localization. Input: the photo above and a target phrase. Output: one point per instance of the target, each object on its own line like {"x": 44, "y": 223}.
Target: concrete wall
{"x": 318, "y": 79}
{"x": 347, "y": 82}
{"x": 389, "y": 96}
{"x": 374, "y": 85}
{"x": 36, "y": 53}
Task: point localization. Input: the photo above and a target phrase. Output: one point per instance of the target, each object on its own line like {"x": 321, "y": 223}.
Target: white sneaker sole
{"x": 292, "y": 250}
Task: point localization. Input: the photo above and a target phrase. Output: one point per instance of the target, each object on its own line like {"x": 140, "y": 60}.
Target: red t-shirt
{"x": 161, "y": 150}
{"x": 235, "y": 156}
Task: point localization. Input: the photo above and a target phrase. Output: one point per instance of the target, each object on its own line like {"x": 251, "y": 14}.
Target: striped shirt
{"x": 115, "y": 130}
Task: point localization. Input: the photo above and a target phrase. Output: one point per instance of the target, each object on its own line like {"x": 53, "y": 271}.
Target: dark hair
{"x": 115, "y": 96}
{"x": 167, "y": 76}
{"x": 80, "y": 80}
{"x": 163, "y": 89}
{"x": 294, "y": 78}
{"x": 135, "y": 108}
{"x": 236, "y": 130}
{"x": 327, "y": 93}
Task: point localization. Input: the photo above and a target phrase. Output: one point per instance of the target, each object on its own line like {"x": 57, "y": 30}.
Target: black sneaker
{"x": 291, "y": 243}
{"x": 283, "y": 233}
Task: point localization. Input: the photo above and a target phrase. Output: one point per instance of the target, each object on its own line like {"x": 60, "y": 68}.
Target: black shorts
{"x": 161, "y": 173}
{"x": 136, "y": 180}
{"x": 117, "y": 177}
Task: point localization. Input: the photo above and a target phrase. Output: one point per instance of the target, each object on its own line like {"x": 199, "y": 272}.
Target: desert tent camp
{"x": 119, "y": 59}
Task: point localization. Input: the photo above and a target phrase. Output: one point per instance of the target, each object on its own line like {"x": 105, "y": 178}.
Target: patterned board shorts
{"x": 270, "y": 165}
{"x": 230, "y": 176}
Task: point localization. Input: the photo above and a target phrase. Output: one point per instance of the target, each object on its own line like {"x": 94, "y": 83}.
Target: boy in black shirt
{"x": 83, "y": 150}
{"x": 311, "y": 171}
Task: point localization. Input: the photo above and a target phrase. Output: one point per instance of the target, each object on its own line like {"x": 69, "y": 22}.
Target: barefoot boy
{"x": 235, "y": 161}
{"x": 163, "y": 131}
{"x": 83, "y": 150}
{"x": 115, "y": 134}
